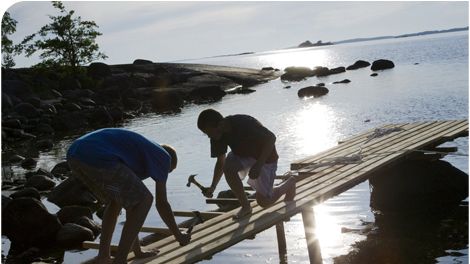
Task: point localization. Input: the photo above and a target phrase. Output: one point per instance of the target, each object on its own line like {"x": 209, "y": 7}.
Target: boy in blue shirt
{"x": 112, "y": 163}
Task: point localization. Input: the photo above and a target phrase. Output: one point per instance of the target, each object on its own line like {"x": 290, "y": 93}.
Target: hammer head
{"x": 190, "y": 179}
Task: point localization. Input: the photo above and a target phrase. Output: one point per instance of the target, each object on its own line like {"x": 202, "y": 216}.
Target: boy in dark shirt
{"x": 252, "y": 152}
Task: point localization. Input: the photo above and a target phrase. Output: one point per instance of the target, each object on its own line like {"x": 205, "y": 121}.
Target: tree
{"x": 8, "y": 49}
{"x": 66, "y": 41}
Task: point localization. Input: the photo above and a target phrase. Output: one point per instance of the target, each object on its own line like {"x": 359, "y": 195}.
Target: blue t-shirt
{"x": 107, "y": 147}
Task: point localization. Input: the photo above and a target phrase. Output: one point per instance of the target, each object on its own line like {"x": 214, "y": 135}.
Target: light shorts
{"x": 118, "y": 183}
{"x": 265, "y": 181}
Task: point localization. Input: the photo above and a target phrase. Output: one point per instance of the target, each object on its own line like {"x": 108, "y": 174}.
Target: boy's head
{"x": 174, "y": 157}
{"x": 208, "y": 122}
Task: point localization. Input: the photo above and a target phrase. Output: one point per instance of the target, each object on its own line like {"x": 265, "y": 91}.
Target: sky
{"x": 170, "y": 31}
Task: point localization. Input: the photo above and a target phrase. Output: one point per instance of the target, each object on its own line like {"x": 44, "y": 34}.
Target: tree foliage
{"x": 8, "y": 48}
{"x": 66, "y": 41}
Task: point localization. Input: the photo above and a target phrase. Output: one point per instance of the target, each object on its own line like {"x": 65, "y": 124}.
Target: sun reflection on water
{"x": 311, "y": 58}
{"x": 313, "y": 129}
{"x": 328, "y": 231}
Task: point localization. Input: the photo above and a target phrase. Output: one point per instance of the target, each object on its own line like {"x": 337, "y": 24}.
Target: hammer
{"x": 191, "y": 179}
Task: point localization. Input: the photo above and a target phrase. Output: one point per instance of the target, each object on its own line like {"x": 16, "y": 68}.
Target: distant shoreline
{"x": 422, "y": 33}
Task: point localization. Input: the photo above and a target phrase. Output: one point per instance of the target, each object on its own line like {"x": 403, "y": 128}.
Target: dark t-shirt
{"x": 246, "y": 138}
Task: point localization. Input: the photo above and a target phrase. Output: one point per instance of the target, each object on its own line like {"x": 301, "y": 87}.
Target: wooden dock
{"x": 319, "y": 177}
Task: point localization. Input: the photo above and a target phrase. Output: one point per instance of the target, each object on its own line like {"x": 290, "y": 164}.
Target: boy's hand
{"x": 208, "y": 192}
{"x": 255, "y": 171}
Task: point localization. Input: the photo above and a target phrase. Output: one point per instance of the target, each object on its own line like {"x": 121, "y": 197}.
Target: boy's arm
{"x": 166, "y": 213}
{"x": 218, "y": 172}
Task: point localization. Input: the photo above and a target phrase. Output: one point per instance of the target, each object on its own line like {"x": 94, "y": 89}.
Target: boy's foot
{"x": 242, "y": 213}
{"x": 147, "y": 254}
{"x": 291, "y": 191}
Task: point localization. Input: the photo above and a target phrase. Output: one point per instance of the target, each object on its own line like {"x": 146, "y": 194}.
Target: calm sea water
{"x": 429, "y": 82}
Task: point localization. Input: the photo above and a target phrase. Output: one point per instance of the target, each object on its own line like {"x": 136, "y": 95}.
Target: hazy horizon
{"x": 170, "y": 31}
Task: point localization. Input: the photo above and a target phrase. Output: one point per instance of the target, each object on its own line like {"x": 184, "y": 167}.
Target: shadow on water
{"x": 412, "y": 237}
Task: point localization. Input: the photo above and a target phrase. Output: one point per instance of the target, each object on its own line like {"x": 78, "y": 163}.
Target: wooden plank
{"x": 356, "y": 141}
{"x": 328, "y": 183}
{"x": 204, "y": 215}
{"x": 363, "y": 143}
{"x": 395, "y": 137}
{"x": 225, "y": 200}
{"x": 158, "y": 230}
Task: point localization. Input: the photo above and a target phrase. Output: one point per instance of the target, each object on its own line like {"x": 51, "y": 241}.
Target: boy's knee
{"x": 231, "y": 166}
{"x": 263, "y": 200}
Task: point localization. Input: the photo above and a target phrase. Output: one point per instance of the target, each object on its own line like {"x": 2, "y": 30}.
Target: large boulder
{"x": 315, "y": 91}
{"x": 90, "y": 224}
{"x": 26, "y": 192}
{"x": 296, "y": 73}
{"x": 415, "y": 185}
{"x": 71, "y": 192}
{"x": 321, "y": 71}
{"x": 40, "y": 182}
{"x": 26, "y": 222}
{"x": 69, "y": 214}
{"x": 61, "y": 169}
{"x": 72, "y": 236}
{"x": 382, "y": 65}
{"x": 358, "y": 64}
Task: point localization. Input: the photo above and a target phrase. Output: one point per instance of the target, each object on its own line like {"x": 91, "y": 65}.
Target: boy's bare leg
{"x": 287, "y": 188}
{"x": 110, "y": 216}
{"x": 135, "y": 217}
{"x": 233, "y": 180}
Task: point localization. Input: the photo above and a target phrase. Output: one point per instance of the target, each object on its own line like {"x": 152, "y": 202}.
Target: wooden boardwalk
{"x": 319, "y": 177}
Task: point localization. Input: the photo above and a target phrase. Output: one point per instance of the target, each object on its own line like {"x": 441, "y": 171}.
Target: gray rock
{"x": 40, "y": 182}
{"x": 69, "y": 214}
{"x": 343, "y": 81}
{"x": 358, "y": 64}
{"x": 315, "y": 91}
{"x": 382, "y": 65}
{"x": 71, "y": 192}
{"x": 90, "y": 224}
{"x": 296, "y": 73}
{"x": 72, "y": 236}
{"x": 61, "y": 169}
{"x": 28, "y": 163}
{"x": 26, "y": 192}
{"x": 26, "y": 222}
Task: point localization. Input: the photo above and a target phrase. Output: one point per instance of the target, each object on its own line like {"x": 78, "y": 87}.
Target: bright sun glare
{"x": 308, "y": 59}
{"x": 314, "y": 127}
